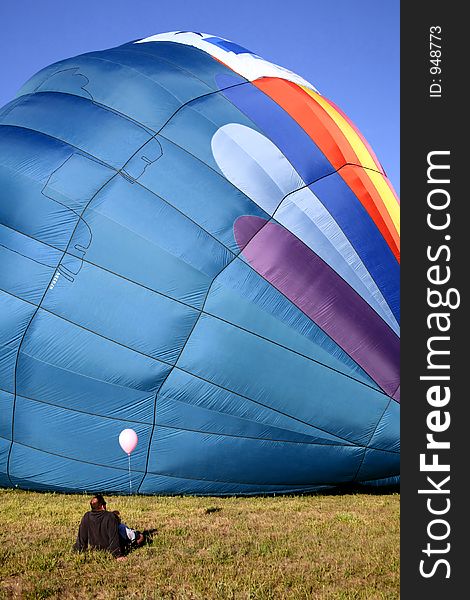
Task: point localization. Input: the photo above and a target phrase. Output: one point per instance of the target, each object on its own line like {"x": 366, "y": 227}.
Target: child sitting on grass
{"x": 130, "y": 538}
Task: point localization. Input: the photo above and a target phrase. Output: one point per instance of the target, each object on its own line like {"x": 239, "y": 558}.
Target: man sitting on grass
{"x": 99, "y": 529}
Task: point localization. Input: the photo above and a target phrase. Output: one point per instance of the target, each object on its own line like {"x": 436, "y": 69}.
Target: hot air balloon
{"x": 196, "y": 245}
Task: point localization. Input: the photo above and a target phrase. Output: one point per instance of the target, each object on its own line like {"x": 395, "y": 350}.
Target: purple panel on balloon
{"x": 303, "y": 277}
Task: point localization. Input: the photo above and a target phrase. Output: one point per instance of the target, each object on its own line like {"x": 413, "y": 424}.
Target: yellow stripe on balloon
{"x": 387, "y": 196}
{"x": 364, "y": 157}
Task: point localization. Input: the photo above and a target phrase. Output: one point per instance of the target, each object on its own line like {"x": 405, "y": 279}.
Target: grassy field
{"x": 302, "y": 547}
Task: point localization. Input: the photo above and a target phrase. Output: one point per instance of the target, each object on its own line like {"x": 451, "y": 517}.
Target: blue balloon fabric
{"x": 180, "y": 255}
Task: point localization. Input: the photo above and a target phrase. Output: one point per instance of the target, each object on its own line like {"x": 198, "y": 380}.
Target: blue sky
{"x": 348, "y": 50}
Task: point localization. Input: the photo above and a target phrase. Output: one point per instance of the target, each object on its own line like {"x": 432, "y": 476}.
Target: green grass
{"x": 296, "y": 547}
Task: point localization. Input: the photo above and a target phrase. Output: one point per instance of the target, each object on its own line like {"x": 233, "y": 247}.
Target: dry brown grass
{"x": 296, "y": 547}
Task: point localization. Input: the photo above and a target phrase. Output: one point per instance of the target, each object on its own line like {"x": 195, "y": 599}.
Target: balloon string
{"x": 130, "y": 480}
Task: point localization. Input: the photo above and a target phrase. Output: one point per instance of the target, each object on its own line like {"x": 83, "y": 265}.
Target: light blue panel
{"x": 80, "y": 123}
{"x": 256, "y": 369}
{"x": 6, "y": 414}
{"x": 146, "y": 82}
{"x": 242, "y": 297}
{"x": 242, "y": 460}
{"x": 63, "y": 344}
{"x": 138, "y": 235}
{"x": 36, "y": 470}
{"x": 277, "y": 124}
{"x": 387, "y": 434}
{"x": 202, "y": 194}
{"x": 30, "y": 212}
{"x": 27, "y": 160}
{"x": 193, "y": 127}
{"x": 58, "y": 386}
{"x": 75, "y": 182}
{"x": 180, "y": 415}
{"x": 44, "y": 198}
{"x": 171, "y": 82}
{"x": 123, "y": 312}
{"x": 191, "y": 60}
{"x": 140, "y": 87}
{"x": 24, "y": 276}
{"x": 4, "y": 450}
{"x": 29, "y": 153}
{"x": 112, "y": 85}
{"x": 255, "y": 165}
{"x": 28, "y": 247}
{"x": 184, "y": 388}
{"x": 94, "y": 440}
{"x": 15, "y": 316}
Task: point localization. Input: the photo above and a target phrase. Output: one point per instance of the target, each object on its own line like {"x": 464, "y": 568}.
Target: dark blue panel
{"x": 387, "y": 434}
{"x": 376, "y": 462}
{"x": 163, "y": 484}
{"x": 231, "y": 459}
{"x": 383, "y": 481}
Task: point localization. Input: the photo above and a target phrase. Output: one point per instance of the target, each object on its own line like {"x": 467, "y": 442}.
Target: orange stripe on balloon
{"x": 332, "y": 141}
{"x": 358, "y": 180}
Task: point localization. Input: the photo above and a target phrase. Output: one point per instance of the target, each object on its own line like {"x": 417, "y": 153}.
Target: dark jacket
{"x": 99, "y": 529}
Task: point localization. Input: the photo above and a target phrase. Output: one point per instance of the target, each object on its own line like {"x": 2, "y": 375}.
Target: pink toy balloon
{"x": 128, "y": 440}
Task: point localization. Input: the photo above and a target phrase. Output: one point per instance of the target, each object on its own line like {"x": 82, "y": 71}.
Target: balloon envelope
{"x": 128, "y": 440}
{"x": 197, "y": 245}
